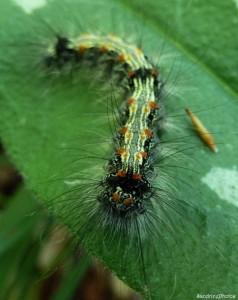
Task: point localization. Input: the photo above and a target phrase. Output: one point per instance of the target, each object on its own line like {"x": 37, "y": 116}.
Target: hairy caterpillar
{"x": 126, "y": 189}
{"x": 90, "y": 172}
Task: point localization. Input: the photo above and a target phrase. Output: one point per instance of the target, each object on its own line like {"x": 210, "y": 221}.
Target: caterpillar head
{"x": 125, "y": 196}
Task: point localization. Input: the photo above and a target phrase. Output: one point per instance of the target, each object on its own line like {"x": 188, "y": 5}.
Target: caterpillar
{"x": 130, "y": 220}
{"x": 126, "y": 198}
{"x": 127, "y": 190}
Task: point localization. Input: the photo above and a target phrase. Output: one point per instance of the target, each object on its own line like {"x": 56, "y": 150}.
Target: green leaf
{"x": 42, "y": 116}
{"x": 204, "y": 30}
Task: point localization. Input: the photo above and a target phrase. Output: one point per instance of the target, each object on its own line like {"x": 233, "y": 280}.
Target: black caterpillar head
{"x": 125, "y": 195}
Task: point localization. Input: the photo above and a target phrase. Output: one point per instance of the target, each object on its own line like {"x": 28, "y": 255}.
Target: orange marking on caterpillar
{"x": 137, "y": 176}
{"x": 131, "y": 74}
{"x": 82, "y": 48}
{"x": 153, "y": 105}
{"x": 144, "y": 154}
{"x": 103, "y": 49}
{"x": 120, "y": 151}
{"x": 154, "y": 72}
{"x": 202, "y": 131}
{"x": 128, "y": 201}
{"x": 148, "y": 132}
{"x": 116, "y": 197}
{"x": 131, "y": 100}
{"x": 121, "y": 173}
{"x": 121, "y": 58}
{"x": 123, "y": 130}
